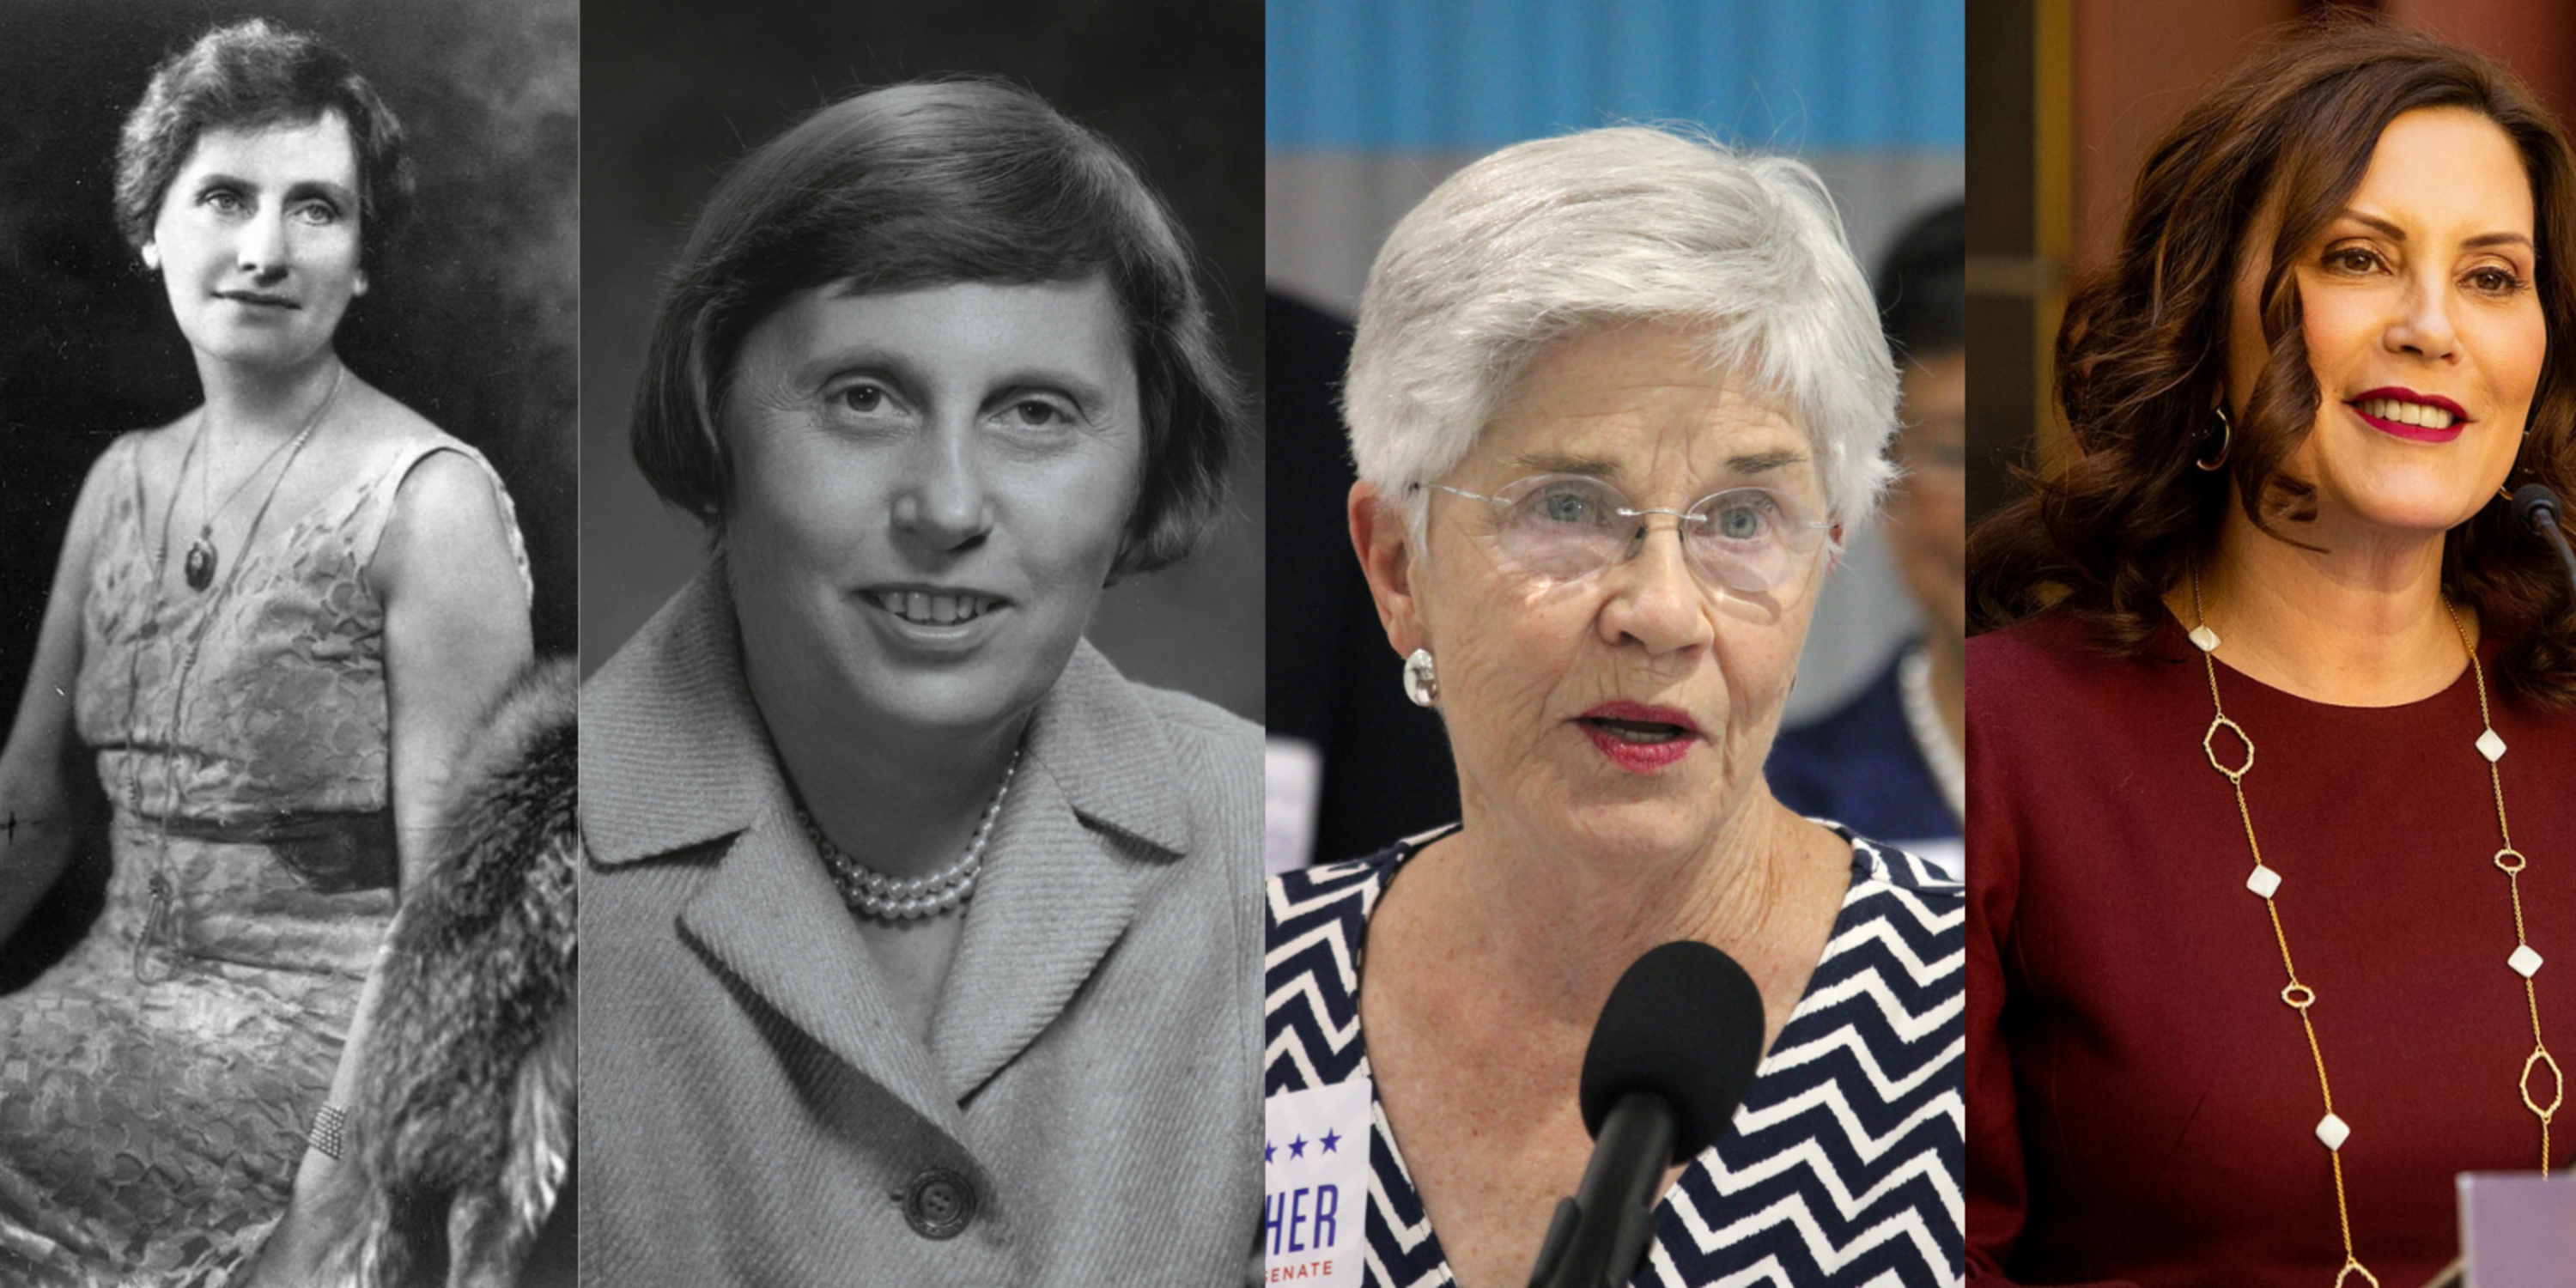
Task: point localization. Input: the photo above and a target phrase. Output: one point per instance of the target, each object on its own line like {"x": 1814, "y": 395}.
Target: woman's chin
{"x": 2421, "y": 498}
{"x": 2419, "y": 513}
{"x": 252, "y": 350}
{"x": 1620, "y": 818}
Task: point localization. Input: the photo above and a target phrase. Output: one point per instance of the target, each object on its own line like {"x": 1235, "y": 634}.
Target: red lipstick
{"x": 2400, "y": 429}
{"x": 1639, "y": 738}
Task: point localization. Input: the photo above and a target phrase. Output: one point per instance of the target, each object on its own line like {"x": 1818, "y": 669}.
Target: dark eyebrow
{"x": 911, "y": 381}
{"x": 1764, "y": 462}
{"x": 297, "y": 191}
{"x": 2482, "y": 240}
{"x": 859, "y": 360}
{"x": 1552, "y": 463}
{"x": 1587, "y": 467}
{"x": 321, "y": 188}
{"x": 1093, "y": 399}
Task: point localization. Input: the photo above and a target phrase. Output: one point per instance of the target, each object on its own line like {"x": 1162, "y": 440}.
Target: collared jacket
{"x": 1087, "y": 1110}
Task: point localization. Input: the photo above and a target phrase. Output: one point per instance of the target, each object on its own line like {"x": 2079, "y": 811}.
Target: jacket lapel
{"x": 1096, "y": 818}
{"x": 673, "y": 757}
{"x": 770, "y": 917}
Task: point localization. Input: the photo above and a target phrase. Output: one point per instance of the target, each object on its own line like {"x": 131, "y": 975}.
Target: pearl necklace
{"x": 874, "y": 894}
{"x": 2265, "y": 881}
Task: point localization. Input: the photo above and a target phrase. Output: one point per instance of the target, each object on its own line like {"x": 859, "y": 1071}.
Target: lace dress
{"x": 156, "y": 1084}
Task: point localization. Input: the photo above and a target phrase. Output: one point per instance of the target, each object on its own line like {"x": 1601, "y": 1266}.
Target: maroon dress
{"x": 2141, "y": 1104}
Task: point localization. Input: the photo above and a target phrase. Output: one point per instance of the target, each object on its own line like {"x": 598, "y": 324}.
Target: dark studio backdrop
{"x": 471, "y": 320}
{"x": 677, "y": 92}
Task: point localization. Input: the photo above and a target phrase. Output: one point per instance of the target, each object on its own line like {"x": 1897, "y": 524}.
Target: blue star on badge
{"x": 1269, "y": 1152}
{"x": 1297, "y": 1148}
{"x": 1331, "y": 1139}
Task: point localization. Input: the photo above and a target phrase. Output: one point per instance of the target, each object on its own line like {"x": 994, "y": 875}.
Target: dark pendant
{"x": 200, "y": 566}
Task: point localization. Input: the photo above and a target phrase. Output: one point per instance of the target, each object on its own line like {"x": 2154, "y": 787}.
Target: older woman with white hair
{"x": 1616, "y": 399}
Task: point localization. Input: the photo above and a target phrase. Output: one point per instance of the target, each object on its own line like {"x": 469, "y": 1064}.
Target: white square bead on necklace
{"x": 2333, "y": 1131}
{"x": 2263, "y": 881}
{"x": 2525, "y": 962}
{"x": 2491, "y": 746}
{"x": 2205, "y": 639}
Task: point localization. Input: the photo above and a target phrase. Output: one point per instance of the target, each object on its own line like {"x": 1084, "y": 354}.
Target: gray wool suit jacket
{"x": 752, "y": 1112}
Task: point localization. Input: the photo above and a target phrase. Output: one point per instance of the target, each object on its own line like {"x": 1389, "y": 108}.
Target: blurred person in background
{"x": 1890, "y": 762}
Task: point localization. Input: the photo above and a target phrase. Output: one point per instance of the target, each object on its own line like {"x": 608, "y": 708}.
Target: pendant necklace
{"x": 164, "y": 891}
{"x": 199, "y": 565}
{"x": 2266, "y": 882}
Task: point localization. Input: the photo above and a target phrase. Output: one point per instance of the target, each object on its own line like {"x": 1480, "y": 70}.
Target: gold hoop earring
{"x": 2217, "y": 460}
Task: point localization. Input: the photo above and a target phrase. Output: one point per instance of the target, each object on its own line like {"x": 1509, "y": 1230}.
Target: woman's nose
{"x": 943, "y": 501}
{"x": 1656, "y": 600}
{"x": 260, "y": 245}
{"x": 2423, "y": 324}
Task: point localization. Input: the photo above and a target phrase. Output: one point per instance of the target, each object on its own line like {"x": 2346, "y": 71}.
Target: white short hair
{"x": 1548, "y": 238}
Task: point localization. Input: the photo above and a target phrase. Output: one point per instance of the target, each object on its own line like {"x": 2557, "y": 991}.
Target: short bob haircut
{"x": 923, "y": 184}
{"x": 251, "y": 75}
{"x": 2142, "y": 354}
{"x": 1546, "y": 239}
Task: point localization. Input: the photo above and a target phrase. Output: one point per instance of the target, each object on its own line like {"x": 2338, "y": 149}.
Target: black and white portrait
{"x": 288, "y": 302}
{"x": 921, "y": 788}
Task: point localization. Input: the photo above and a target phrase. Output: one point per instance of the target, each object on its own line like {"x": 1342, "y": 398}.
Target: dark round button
{"x": 939, "y": 1203}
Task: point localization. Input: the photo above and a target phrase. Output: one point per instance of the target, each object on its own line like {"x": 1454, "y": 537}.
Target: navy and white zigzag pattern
{"x": 1842, "y": 1167}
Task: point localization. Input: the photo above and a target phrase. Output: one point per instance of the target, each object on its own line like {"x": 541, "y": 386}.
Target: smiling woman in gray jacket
{"x": 922, "y": 947}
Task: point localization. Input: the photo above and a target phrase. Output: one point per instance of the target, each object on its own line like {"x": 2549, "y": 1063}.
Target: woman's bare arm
{"x": 47, "y": 792}
{"x": 456, "y": 633}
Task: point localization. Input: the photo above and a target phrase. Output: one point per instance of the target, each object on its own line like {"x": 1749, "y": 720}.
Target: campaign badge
{"x": 1315, "y": 1174}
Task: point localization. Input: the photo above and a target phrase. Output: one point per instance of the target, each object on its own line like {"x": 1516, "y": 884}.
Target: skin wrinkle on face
{"x": 1521, "y": 658}
{"x": 270, "y": 210}
{"x": 2392, "y": 295}
{"x": 971, "y": 435}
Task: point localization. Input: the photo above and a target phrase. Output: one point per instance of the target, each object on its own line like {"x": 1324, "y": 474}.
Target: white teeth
{"x": 2407, "y": 413}
{"x": 927, "y": 609}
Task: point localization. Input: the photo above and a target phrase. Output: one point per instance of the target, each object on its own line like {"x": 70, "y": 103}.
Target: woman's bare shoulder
{"x": 386, "y": 423}
{"x": 157, "y": 449}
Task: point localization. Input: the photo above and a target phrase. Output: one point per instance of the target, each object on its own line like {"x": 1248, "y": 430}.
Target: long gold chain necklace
{"x": 164, "y": 892}
{"x": 199, "y": 568}
{"x": 2265, "y": 882}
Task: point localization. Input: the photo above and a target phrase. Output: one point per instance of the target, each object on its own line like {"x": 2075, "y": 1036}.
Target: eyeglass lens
{"x": 1566, "y": 526}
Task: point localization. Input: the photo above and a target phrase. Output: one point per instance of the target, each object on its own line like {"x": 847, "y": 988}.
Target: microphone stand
{"x": 2537, "y": 507}
{"x": 1597, "y": 1236}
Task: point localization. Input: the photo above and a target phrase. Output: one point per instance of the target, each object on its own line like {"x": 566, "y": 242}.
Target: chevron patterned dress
{"x": 1843, "y": 1166}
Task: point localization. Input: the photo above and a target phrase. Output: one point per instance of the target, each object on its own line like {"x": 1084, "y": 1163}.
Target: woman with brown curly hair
{"x": 2236, "y": 1017}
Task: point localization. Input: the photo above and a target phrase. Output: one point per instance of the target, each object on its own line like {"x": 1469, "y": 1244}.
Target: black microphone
{"x": 2536, "y": 508}
{"x": 1671, "y": 1058}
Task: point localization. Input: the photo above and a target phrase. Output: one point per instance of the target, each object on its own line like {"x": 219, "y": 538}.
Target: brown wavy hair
{"x": 2142, "y": 354}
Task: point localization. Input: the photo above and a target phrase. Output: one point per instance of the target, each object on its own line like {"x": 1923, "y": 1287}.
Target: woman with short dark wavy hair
{"x": 921, "y": 946}
{"x": 275, "y": 621}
